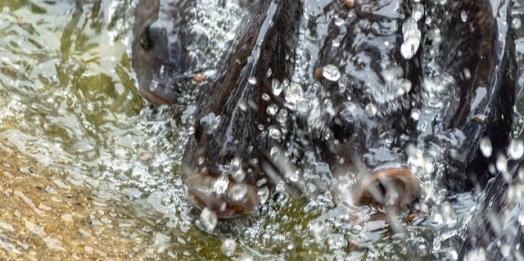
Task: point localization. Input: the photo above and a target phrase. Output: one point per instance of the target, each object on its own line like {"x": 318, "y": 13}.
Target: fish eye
{"x": 148, "y": 38}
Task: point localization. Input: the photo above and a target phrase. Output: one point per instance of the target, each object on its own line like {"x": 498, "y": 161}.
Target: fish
{"x": 368, "y": 79}
{"x": 225, "y": 165}
{"x": 483, "y": 65}
{"x": 159, "y": 49}
{"x": 478, "y": 57}
{"x": 495, "y": 231}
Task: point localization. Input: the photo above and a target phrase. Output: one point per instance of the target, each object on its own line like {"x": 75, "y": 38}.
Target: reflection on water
{"x": 90, "y": 172}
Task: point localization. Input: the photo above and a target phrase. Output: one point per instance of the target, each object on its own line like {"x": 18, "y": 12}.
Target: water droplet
{"x": 338, "y": 21}
{"x": 263, "y": 194}
{"x": 228, "y": 247}
{"x": 272, "y": 109}
{"x": 274, "y": 153}
{"x": 208, "y": 219}
{"x": 371, "y": 110}
{"x": 215, "y": 123}
{"x": 238, "y": 175}
{"x": 515, "y": 149}
{"x": 265, "y": 97}
{"x": 463, "y": 16}
{"x": 276, "y": 86}
{"x": 466, "y": 73}
{"x": 411, "y": 36}
{"x": 261, "y": 182}
{"x": 269, "y": 72}
{"x": 409, "y": 48}
{"x": 485, "y": 147}
{"x": 221, "y": 184}
{"x": 253, "y": 161}
{"x": 274, "y": 133}
{"x": 415, "y": 114}
{"x": 406, "y": 85}
{"x": 282, "y": 116}
{"x": 237, "y": 192}
{"x": 418, "y": 11}
{"x": 335, "y": 43}
{"x": 516, "y": 22}
{"x": 252, "y": 80}
{"x": 331, "y": 72}
{"x": 502, "y": 162}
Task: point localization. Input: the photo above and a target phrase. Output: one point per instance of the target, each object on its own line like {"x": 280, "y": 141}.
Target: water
{"x": 89, "y": 171}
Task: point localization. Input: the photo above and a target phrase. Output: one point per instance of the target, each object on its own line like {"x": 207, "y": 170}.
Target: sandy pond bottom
{"x": 88, "y": 172}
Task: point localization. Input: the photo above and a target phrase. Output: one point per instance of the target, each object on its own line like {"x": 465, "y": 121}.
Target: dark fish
{"x": 479, "y": 32}
{"x": 476, "y": 52}
{"x": 496, "y": 232}
{"x": 369, "y": 78}
{"x": 159, "y": 54}
{"x": 225, "y": 166}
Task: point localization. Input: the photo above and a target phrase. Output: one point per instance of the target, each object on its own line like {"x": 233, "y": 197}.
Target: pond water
{"x": 91, "y": 172}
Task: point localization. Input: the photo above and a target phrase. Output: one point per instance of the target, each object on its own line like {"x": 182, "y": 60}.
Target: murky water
{"x": 89, "y": 171}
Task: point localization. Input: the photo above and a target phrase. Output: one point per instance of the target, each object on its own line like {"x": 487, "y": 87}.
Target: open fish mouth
{"x": 159, "y": 93}
{"x": 223, "y": 195}
{"x": 387, "y": 186}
